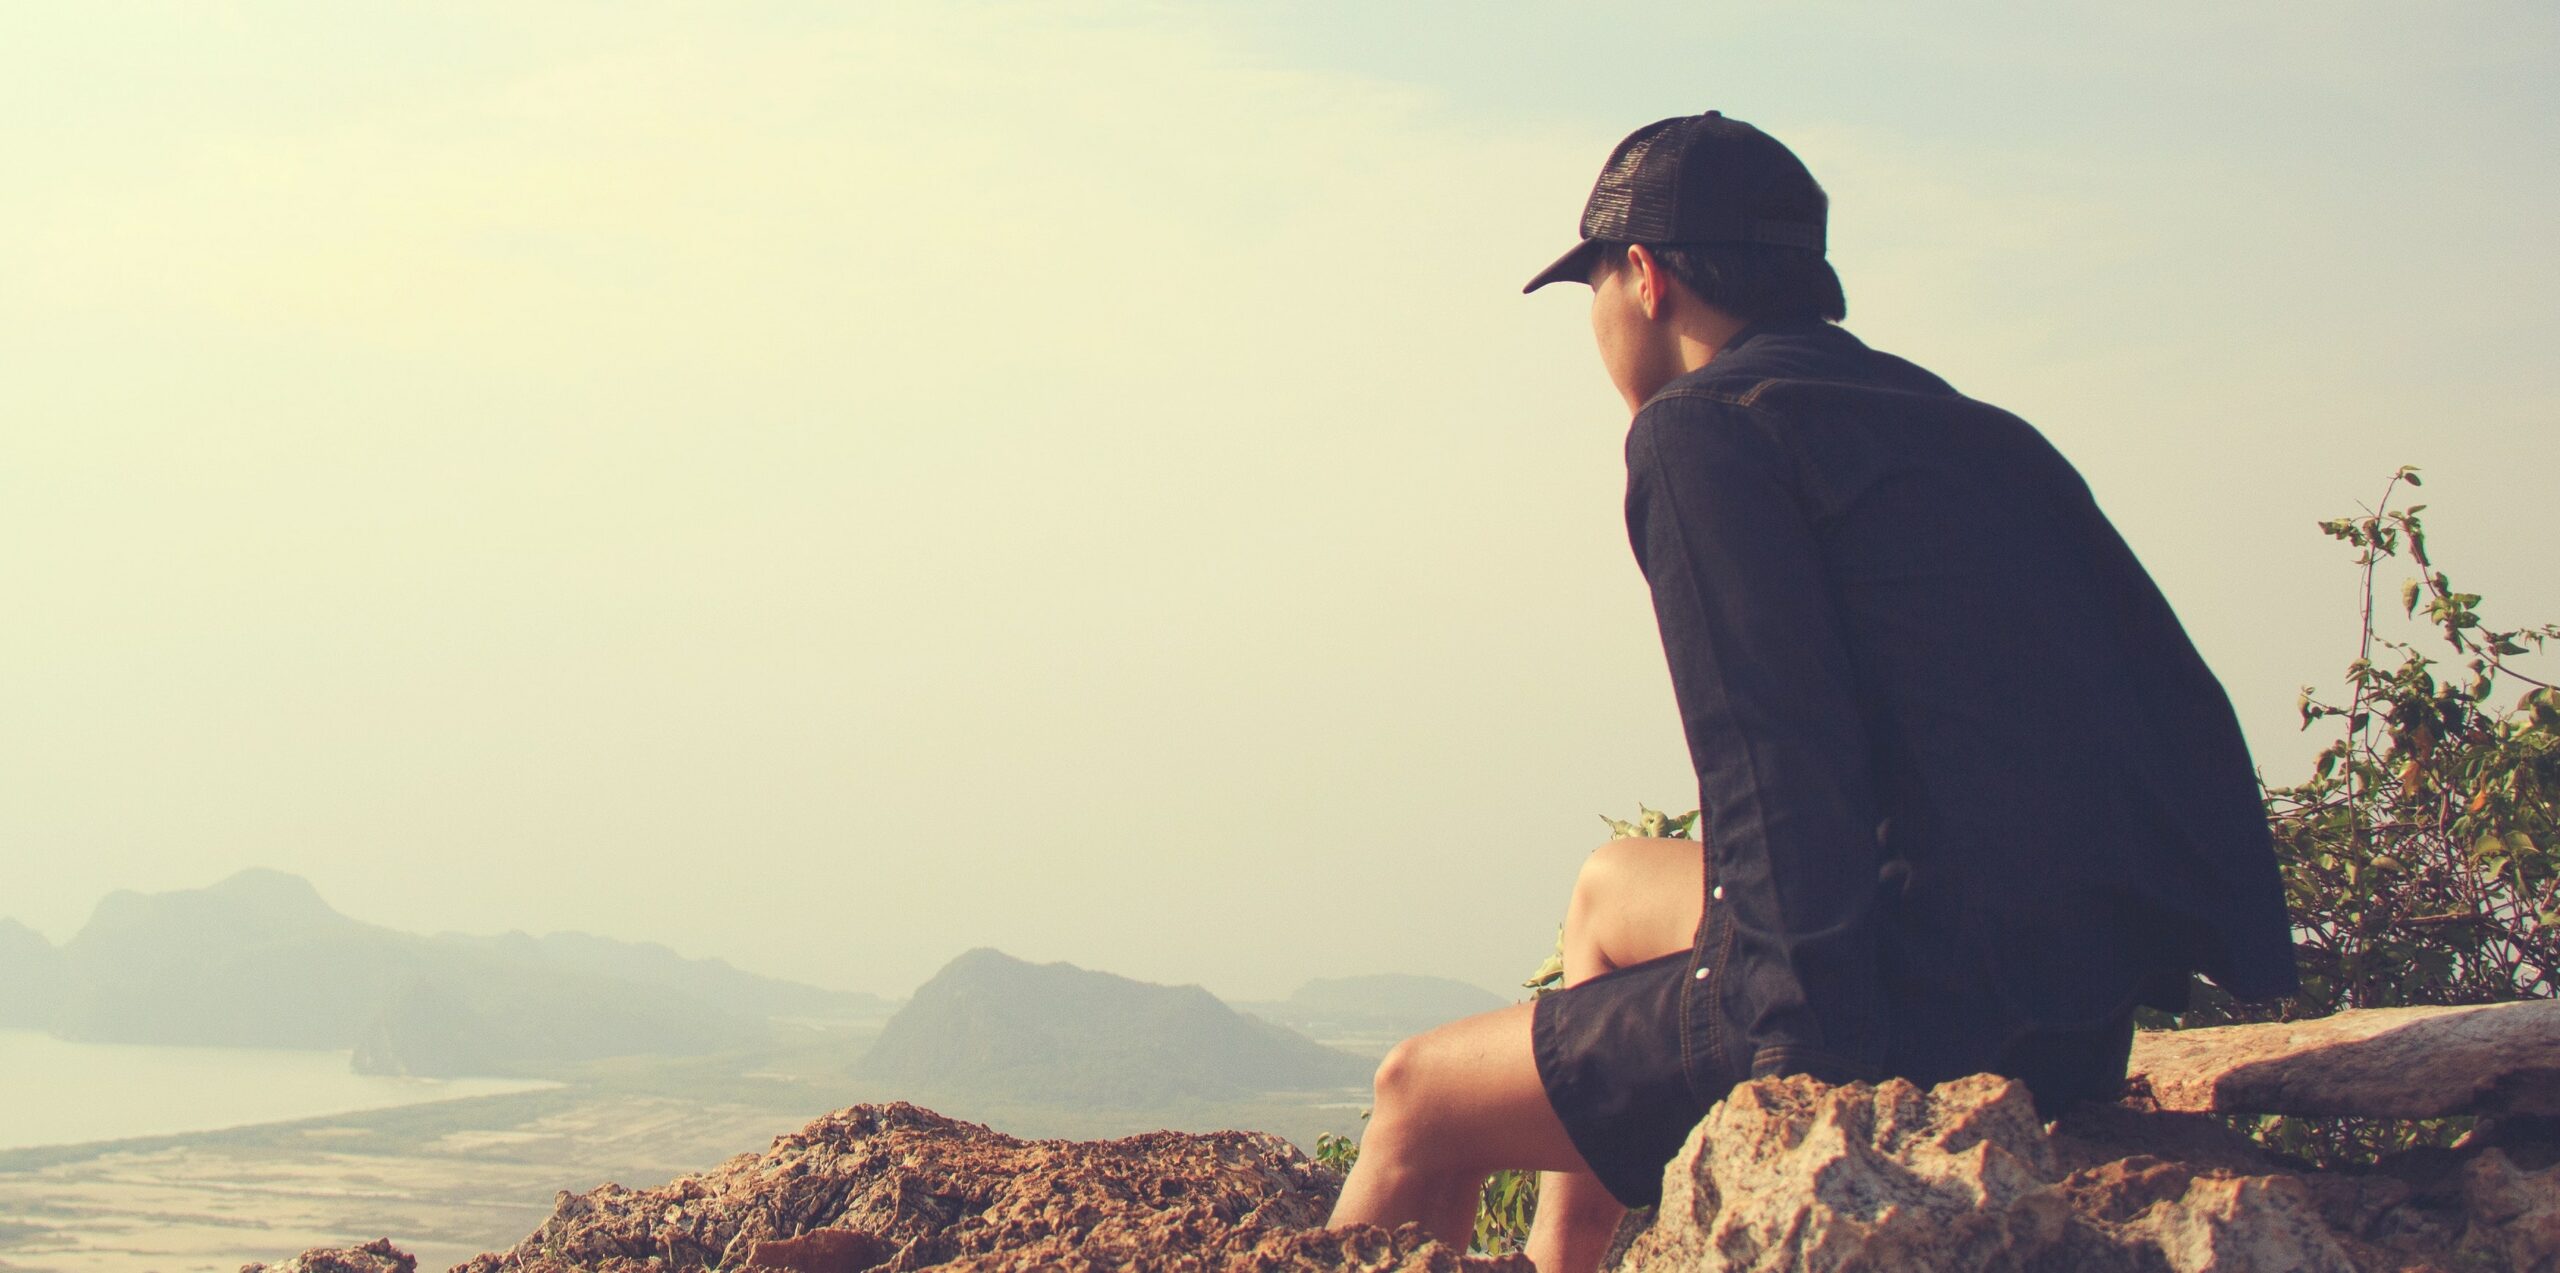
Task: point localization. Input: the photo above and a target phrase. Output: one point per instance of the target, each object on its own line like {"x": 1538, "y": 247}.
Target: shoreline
{"x": 153, "y": 1092}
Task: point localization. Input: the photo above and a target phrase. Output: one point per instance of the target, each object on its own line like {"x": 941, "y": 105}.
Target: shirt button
{"x": 1717, "y": 892}
{"x": 1702, "y": 974}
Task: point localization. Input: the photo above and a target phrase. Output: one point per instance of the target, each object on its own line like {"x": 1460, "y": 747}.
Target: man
{"x": 1970, "y": 795}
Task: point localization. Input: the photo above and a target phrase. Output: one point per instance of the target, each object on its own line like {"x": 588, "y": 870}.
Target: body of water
{"x": 55, "y": 1092}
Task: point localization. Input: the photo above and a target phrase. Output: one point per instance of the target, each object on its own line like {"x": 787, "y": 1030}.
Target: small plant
{"x": 2421, "y": 859}
{"x": 1653, "y": 824}
{"x": 1338, "y": 1152}
{"x": 1509, "y": 1203}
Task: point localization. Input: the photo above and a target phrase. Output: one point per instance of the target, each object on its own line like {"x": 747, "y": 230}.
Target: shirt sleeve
{"x": 1720, "y": 520}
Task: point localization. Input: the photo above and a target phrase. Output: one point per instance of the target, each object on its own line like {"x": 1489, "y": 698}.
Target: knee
{"x": 1409, "y": 1115}
{"x": 1399, "y": 1086}
{"x": 1600, "y": 882}
{"x": 1409, "y": 1100}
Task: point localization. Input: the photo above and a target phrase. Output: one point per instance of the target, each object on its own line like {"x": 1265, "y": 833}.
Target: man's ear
{"x": 1648, "y": 278}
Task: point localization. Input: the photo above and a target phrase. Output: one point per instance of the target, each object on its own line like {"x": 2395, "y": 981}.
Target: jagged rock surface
{"x": 377, "y": 1256}
{"x": 2379, "y": 1062}
{"x": 898, "y": 1189}
{"x": 1787, "y": 1174}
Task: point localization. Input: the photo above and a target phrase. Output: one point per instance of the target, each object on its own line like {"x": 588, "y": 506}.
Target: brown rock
{"x": 2515, "y": 1214}
{"x": 2380, "y": 1062}
{"x": 823, "y": 1251}
{"x": 2171, "y": 1216}
{"x": 2094, "y": 1134}
{"x": 1787, "y": 1174}
{"x": 377, "y": 1256}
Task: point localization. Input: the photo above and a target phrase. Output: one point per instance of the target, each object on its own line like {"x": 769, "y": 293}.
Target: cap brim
{"x": 1572, "y": 267}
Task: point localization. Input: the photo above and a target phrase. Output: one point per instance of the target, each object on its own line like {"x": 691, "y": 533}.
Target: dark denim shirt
{"x": 1965, "y": 778}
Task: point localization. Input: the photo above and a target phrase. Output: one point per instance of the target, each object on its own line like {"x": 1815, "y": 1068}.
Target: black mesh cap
{"x": 1696, "y": 179}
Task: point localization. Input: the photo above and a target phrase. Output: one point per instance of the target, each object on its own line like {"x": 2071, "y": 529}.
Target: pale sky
{"x": 829, "y": 486}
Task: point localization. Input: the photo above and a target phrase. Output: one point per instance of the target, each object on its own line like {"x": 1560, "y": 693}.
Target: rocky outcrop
{"x": 1790, "y": 1174}
{"x": 1787, "y": 1174}
{"x": 2380, "y": 1062}
{"x": 898, "y": 1189}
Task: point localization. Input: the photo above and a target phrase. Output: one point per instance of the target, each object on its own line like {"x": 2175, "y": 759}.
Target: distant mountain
{"x": 260, "y": 960}
{"x": 30, "y": 976}
{"x": 1378, "y": 1004}
{"x": 991, "y": 1026}
{"x": 650, "y": 964}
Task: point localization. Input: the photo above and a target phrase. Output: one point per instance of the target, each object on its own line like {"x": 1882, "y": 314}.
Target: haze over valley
{"x": 469, "y": 1077}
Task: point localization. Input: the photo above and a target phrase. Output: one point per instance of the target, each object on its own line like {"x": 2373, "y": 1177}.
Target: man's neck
{"x": 1704, "y": 332}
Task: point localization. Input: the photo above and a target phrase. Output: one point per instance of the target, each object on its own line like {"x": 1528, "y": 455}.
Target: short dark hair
{"x": 1755, "y": 282}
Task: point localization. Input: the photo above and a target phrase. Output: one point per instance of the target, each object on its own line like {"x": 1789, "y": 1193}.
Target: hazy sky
{"x": 833, "y": 485}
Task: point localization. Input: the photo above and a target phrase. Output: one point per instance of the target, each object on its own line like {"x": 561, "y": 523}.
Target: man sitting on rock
{"x": 1970, "y": 794}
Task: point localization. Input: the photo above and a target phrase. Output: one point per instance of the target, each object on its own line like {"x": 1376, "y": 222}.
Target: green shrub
{"x": 2419, "y": 857}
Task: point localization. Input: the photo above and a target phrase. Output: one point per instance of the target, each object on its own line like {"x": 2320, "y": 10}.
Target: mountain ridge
{"x": 260, "y": 959}
{"x": 989, "y": 1025}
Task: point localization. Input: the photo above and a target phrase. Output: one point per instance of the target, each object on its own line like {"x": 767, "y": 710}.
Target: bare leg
{"x": 1455, "y": 1104}
{"x": 1452, "y": 1106}
{"x": 1576, "y": 1218}
{"x": 1635, "y": 900}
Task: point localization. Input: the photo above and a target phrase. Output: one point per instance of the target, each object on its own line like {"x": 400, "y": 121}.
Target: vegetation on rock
{"x": 2421, "y": 858}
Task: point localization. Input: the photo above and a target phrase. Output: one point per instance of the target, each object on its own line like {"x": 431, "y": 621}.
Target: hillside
{"x": 261, "y": 960}
{"x": 990, "y": 1026}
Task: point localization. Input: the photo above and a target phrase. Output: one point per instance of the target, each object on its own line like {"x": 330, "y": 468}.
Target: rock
{"x": 2515, "y": 1214}
{"x": 2147, "y": 1214}
{"x": 2093, "y": 1134}
{"x": 898, "y": 1189}
{"x": 823, "y": 1251}
{"x": 377, "y": 1256}
{"x": 2379, "y": 1062}
{"x": 1787, "y": 1174}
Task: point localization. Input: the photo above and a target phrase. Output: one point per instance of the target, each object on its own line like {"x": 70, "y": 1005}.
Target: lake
{"x": 55, "y": 1092}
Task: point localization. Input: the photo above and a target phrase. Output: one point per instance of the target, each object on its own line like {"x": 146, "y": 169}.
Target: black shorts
{"x": 1608, "y": 1053}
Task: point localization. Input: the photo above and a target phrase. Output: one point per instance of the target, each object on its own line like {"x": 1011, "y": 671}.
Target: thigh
{"x": 1467, "y": 1095}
